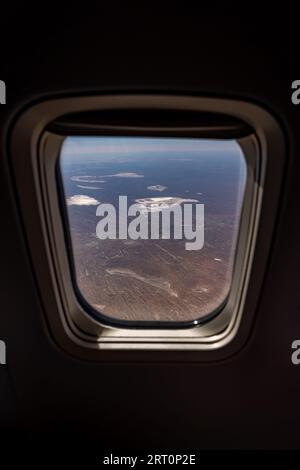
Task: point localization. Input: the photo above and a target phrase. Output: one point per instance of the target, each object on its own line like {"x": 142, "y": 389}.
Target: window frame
{"x": 72, "y": 327}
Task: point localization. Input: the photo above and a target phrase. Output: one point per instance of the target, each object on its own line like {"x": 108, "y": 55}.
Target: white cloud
{"x": 82, "y": 200}
{"x": 126, "y": 175}
{"x": 86, "y": 179}
{"x": 157, "y": 187}
{"x": 95, "y": 179}
{"x": 157, "y": 204}
{"x": 88, "y": 187}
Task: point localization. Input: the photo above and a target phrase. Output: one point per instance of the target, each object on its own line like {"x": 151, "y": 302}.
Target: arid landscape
{"x": 153, "y": 280}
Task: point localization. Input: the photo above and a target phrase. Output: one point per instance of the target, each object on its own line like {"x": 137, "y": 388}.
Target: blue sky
{"x": 97, "y": 149}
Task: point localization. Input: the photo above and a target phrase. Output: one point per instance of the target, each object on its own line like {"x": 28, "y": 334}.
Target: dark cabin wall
{"x": 251, "y": 399}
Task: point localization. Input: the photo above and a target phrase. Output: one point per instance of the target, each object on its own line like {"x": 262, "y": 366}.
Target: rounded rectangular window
{"x": 153, "y": 225}
{"x": 149, "y": 220}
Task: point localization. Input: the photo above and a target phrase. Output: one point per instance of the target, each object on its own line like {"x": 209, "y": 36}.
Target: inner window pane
{"x": 154, "y": 264}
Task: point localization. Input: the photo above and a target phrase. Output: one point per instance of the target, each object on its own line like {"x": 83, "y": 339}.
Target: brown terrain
{"x": 156, "y": 280}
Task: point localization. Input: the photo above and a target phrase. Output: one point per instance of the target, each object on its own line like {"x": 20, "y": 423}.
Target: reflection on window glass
{"x": 153, "y": 223}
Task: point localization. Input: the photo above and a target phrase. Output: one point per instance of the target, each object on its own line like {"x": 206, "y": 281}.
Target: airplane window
{"x": 153, "y": 224}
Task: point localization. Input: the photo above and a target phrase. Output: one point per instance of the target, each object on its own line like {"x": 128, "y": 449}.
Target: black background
{"x": 248, "y": 401}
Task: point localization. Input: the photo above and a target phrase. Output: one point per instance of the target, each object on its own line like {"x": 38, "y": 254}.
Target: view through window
{"x": 153, "y": 223}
